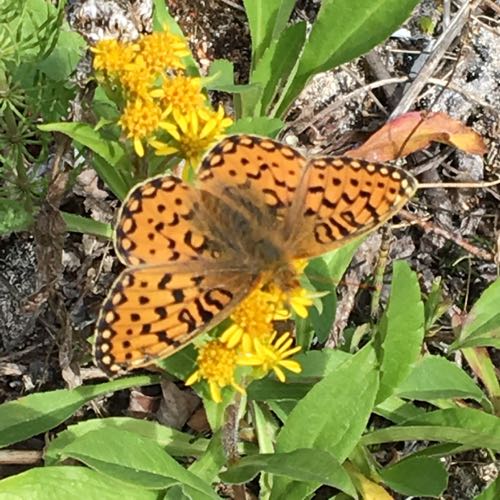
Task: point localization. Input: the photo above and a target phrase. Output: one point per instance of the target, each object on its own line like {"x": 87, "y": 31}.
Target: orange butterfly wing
{"x": 180, "y": 279}
{"x": 153, "y": 311}
{"x": 341, "y": 199}
{"x": 160, "y": 222}
{"x": 253, "y": 172}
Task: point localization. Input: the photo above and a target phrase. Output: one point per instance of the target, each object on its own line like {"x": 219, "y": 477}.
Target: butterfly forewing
{"x": 254, "y": 171}
{"x": 159, "y": 223}
{"x": 341, "y": 199}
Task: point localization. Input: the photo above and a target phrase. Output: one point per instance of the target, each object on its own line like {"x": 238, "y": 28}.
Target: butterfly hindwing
{"x": 153, "y": 311}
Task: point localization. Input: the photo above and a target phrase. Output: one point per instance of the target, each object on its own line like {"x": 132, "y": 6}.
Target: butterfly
{"x": 194, "y": 252}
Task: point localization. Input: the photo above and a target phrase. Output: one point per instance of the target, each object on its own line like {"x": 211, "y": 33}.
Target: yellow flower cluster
{"x": 164, "y": 107}
{"x": 251, "y": 340}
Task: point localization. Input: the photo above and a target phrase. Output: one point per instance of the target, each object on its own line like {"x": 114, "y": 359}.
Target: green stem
{"x": 79, "y": 224}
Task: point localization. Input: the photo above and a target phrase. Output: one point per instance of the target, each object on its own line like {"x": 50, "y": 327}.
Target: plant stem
{"x": 230, "y": 441}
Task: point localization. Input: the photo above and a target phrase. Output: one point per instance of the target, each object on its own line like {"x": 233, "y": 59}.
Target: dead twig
{"x": 430, "y": 227}
{"x": 20, "y": 457}
{"x": 429, "y": 61}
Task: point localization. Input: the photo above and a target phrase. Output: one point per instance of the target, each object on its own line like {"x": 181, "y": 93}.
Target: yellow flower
{"x": 272, "y": 355}
{"x": 193, "y": 134}
{"x": 112, "y": 56}
{"x": 162, "y": 51}
{"x": 181, "y": 95}
{"x": 254, "y": 316}
{"x": 136, "y": 78}
{"x": 140, "y": 119}
{"x": 216, "y": 364}
{"x": 300, "y": 299}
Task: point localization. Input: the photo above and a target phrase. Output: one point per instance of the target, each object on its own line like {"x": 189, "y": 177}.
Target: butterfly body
{"x": 193, "y": 253}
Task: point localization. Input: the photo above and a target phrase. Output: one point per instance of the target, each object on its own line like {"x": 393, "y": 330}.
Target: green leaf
{"x": 492, "y": 492}
{"x": 324, "y": 274}
{"x": 321, "y": 316}
{"x": 262, "y": 125}
{"x": 482, "y": 326}
{"x": 211, "y": 462}
{"x": 79, "y": 224}
{"x": 83, "y": 133}
{"x": 221, "y": 77}
{"x": 417, "y": 476}
{"x": 304, "y": 464}
{"x": 342, "y": 31}
{"x": 435, "y": 306}
{"x": 318, "y": 364}
{"x": 266, "y": 18}
{"x": 338, "y": 260}
{"x": 315, "y": 365}
{"x": 332, "y": 416}
{"x": 474, "y": 428}
{"x": 435, "y": 377}
{"x": 37, "y": 413}
{"x": 401, "y": 329}
{"x": 63, "y": 60}
{"x": 396, "y": 410}
{"x": 175, "y": 442}
{"x": 69, "y": 483}
{"x": 270, "y": 389}
{"x": 481, "y": 364}
{"x": 110, "y": 151}
{"x": 133, "y": 459}
{"x": 274, "y": 69}
{"x": 181, "y": 364}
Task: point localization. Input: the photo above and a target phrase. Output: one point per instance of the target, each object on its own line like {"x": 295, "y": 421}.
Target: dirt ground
{"x": 44, "y": 337}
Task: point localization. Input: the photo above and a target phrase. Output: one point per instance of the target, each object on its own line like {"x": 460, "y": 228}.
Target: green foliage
{"x": 324, "y": 412}
{"x": 482, "y": 326}
{"x": 422, "y": 476}
{"x": 37, "y": 55}
{"x": 284, "y": 58}
{"x": 40, "y": 412}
